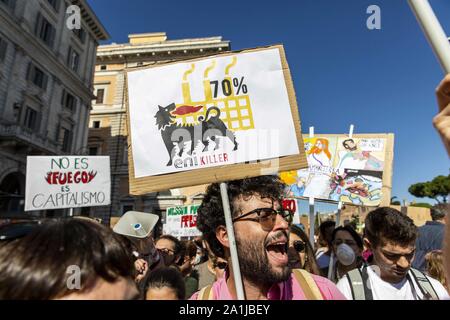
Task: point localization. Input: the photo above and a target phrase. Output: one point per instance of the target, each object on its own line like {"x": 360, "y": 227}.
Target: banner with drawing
{"x": 216, "y": 111}
{"x": 352, "y": 170}
{"x": 182, "y": 221}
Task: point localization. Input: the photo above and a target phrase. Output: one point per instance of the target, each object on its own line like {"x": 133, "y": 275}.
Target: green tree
{"x": 395, "y": 202}
{"x": 437, "y": 189}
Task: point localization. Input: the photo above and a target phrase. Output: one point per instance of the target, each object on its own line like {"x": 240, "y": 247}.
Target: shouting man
{"x": 262, "y": 236}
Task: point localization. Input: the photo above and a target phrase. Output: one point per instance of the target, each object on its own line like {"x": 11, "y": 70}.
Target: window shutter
{"x": 44, "y": 82}
{"x": 69, "y": 56}
{"x": 58, "y": 129}
{"x": 37, "y": 28}
{"x": 56, "y": 5}
{"x": 29, "y": 71}
{"x": 74, "y": 104}
{"x": 3, "y": 47}
{"x": 51, "y": 38}
{"x": 37, "y": 126}
{"x": 63, "y": 96}
{"x": 69, "y": 144}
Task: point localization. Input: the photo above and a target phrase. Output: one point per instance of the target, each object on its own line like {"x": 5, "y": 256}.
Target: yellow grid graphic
{"x": 236, "y": 111}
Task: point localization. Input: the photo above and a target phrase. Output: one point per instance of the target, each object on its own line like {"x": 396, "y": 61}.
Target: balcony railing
{"x": 28, "y": 137}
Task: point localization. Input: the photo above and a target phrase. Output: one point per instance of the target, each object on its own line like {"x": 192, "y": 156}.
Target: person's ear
{"x": 222, "y": 236}
{"x": 367, "y": 244}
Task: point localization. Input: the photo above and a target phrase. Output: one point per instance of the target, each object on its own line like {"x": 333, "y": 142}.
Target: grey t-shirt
{"x": 205, "y": 277}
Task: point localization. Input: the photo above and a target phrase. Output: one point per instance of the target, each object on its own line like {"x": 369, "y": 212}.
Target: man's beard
{"x": 255, "y": 265}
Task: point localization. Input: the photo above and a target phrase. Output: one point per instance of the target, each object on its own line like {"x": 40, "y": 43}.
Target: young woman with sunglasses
{"x": 301, "y": 253}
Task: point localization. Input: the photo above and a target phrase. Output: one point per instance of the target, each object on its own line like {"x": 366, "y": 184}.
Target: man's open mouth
{"x": 277, "y": 250}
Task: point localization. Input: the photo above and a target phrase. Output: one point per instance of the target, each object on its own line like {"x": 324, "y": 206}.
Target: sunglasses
{"x": 266, "y": 217}
{"x": 221, "y": 265}
{"x": 299, "y": 246}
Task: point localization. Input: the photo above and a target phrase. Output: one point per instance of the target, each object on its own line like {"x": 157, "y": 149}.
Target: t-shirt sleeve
{"x": 328, "y": 289}
{"x": 344, "y": 287}
{"x": 439, "y": 288}
{"x": 194, "y": 296}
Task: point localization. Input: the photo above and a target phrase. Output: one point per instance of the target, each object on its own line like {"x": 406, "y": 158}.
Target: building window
{"x": 45, "y": 30}
{"x": 68, "y": 101}
{"x": 31, "y": 119}
{"x": 100, "y": 96}
{"x": 103, "y": 67}
{"x": 37, "y": 76}
{"x": 93, "y": 151}
{"x": 66, "y": 140}
{"x": 11, "y": 4}
{"x": 73, "y": 59}
{"x": 3, "y": 48}
{"x": 96, "y": 124}
{"x": 80, "y": 33}
{"x": 125, "y": 207}
{"x": 54, "y": 4}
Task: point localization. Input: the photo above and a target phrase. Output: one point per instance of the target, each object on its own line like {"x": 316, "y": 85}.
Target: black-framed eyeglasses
{"x": 166, "y": 251}
{"x": 299, "y": 246}
{"x": 267, "y": 216}
{"x": 221, "y": 265}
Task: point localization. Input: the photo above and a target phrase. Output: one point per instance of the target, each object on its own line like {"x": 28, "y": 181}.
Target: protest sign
{"x": 59, "y": 182}
{"x": 212, "y": 119}
{"x": 182, "y": 221}
{"x": 292, "y": 205}
{"x": 355, "y": 170}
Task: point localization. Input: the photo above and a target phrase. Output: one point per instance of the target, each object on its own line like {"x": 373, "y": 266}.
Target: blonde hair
{"x": 435, "y": 266}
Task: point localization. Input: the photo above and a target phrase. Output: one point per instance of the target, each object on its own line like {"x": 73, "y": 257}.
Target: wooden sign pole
{"x": 312, "y": 221}
{"x": 231, "y": 238}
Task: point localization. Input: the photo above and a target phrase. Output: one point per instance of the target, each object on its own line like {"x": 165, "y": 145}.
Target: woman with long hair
{"x": 301, "y": 253}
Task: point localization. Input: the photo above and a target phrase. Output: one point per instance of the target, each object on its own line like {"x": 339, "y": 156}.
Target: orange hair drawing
{"x": 316, "y": 150}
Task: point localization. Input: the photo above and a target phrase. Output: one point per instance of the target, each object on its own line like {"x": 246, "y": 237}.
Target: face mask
{"x": 345, "y": 254}
{"x": 198, "y": 259}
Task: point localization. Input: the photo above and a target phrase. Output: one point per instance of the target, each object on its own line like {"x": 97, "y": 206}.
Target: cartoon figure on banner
{"x": 207, "y": 120}
{"x": 295, "y": 183}
{"x": 319, "y": 160}
{"x": 359, "y": 187}
{"x": 355, "y": 158}
{"x": 213, "y": 124}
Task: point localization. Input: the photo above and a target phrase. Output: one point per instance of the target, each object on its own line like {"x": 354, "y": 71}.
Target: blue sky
{"x": 382, "y": 81}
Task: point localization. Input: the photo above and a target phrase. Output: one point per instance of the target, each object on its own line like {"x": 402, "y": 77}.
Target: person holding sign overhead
{"x": 262, "y": 231}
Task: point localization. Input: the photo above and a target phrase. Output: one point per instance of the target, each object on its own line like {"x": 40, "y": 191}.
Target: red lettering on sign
{"x": 70, "y": 177}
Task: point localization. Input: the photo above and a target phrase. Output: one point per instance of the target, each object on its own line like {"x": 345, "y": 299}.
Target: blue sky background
{"x": 382, "y": 81}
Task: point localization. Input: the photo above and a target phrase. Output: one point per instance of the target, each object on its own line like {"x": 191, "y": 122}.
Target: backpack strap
{"x": 424, "y": 284}
{"x": 308, "y": 285}
{"x": 206, "y": 293}
{"x": 357, "y": 279}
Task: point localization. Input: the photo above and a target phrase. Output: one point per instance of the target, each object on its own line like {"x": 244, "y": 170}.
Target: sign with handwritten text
{"x": 182, "y": 221}
{"x": 67, "y": 182}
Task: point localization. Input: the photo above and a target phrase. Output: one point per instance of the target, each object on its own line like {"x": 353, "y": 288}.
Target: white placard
{"x": 61, "y": 182}
{"x": 172, "y": 108}
{"x": 182, "y": 221}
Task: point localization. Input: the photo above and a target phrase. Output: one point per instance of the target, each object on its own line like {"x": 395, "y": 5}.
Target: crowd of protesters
{"x": 79, "y": 258}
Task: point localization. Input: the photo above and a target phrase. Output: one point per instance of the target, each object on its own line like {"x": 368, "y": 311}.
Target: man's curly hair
{"x": 210, "y": 213}
{"x": 389, "y": 225}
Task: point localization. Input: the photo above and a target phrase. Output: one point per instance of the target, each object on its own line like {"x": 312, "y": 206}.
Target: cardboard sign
{"x": 182, "y": 221}
{"x": 212, "y": 119}
{"x": 292, "y": 205}
{"x": 67, "y": 182}
{"x": 355, "y": 170}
